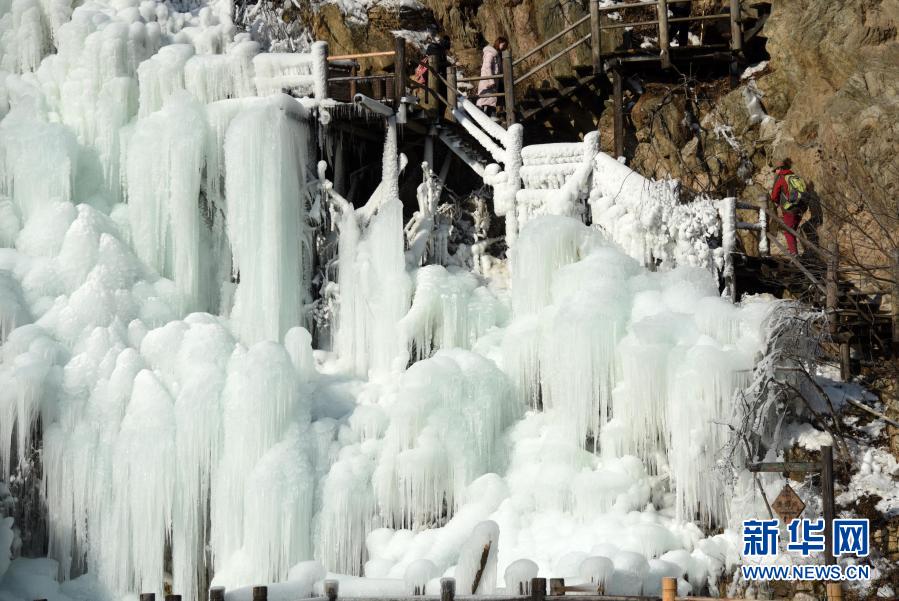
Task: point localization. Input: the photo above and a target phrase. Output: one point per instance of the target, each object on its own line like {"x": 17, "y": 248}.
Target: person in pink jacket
{"x": 492, "y": 65}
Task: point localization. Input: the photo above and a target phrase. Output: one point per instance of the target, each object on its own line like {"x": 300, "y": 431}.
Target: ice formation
{"x": 155, "y": 272}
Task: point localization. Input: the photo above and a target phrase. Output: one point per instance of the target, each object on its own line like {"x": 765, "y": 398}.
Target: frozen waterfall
{"x": 155, "y": 276}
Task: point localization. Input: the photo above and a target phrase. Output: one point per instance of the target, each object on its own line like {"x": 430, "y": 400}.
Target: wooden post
{"x": 618, "y": 101}
{"x": 669, "y": 588}
{"x": 447, "y": 589}
{"x": 832, "y": 297}
{"x": 331, "y": 587}
{"x": 894, "y": 296}
{"x": 557, "y": 587}
{"x": 509, "y": 87}
{"x": 354, "y": 71}
{"x": 260, "y": 593}
{"x": 736, "y": 30}
{"x": 377, "y": 89}
{"x": 538, "y": 589}
{"x": 664, "y": 52}
{"x": 827, "y": 499}
{"x": 217, "y": 593}
{"x": 399, "y": 67}
{"x": 596, "y": 37}
{"x": 834, "y": 591}
{"x": 148, "y": 597}
{"x": 451, "y": 92}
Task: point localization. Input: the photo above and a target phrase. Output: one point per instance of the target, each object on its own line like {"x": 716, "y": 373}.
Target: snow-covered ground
{"x": 155, "y": 278}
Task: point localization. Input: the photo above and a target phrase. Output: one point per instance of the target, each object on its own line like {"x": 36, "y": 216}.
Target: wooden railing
{"x": 535, "y": 590}
{"x": 516, "y": 70}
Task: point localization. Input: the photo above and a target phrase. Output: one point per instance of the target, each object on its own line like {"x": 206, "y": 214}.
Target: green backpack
{"x": 794, "y": 198}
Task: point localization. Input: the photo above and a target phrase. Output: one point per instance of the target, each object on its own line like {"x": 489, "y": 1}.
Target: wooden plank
{"x": 736, "y": 29}
{"x": 595, "y": 37}
{"x": 618, "y": 103}
{"x": 343, "y": 57}
{"x": 399, "y": 70}
{"x": 894, "y": 300}
{"x": 785, "y": 466}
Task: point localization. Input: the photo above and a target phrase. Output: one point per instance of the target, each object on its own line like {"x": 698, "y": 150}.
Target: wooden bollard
{"x": 260, "y": 593}
{"x": 556, "y": 587}
{"x": 669, "y": 588}
{"x": 834, "y": 591}
{"x": 538, "y": 589}
{"x": 148, "y": 597}
{"x": 331, "y": 587}
{"x": 217, "y": 593}
{"x": 447, "y": 589}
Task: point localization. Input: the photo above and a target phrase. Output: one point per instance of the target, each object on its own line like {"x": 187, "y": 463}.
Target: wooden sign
{"x": 788, "y": 505}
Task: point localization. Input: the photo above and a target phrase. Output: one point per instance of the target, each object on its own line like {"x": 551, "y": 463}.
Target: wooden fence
{"x": 536, "y": 592}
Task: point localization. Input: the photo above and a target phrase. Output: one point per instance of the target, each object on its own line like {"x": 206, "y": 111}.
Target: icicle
{"x": 265, "y": 177}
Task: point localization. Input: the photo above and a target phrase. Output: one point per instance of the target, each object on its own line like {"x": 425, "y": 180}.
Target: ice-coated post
{"x": 664, "y": 53}
{"x": 320, "y": 70}
{"x": 331, "y": 587}
{"x": 538, "y": 589}
{"x": 834, "y": 591}
{"x": 508, "y": 87}
{"x": 148, "y": 597}
{"x": 595, "y": 37}
{"x": 669, "y": 588}
{"x": 736, "y": 31}
{"x": 827, "y": 498}
{"x": 557, "y": 587}
{"x": 447, "y": 589}
{"x": 260, "y": 593}
{"x": 763, "y": 232}
{"x": 451, "y": 92}
{"x": 399, "y": 67}
{"x": 217, "y": 593}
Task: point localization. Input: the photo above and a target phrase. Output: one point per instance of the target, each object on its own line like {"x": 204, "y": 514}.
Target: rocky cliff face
{"x": 828, "y": 98}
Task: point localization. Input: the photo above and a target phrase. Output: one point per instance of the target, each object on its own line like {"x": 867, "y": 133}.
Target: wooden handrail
{"x": 478, "y": 78}
{"x": 361, "y": 78}
{"x": 533, "y": 51}
{"x": 344, "y": 57}
{"x": 553, "y": 58}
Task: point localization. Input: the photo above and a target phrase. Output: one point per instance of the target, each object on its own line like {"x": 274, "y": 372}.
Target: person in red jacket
{"x": 780, "y": 196}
